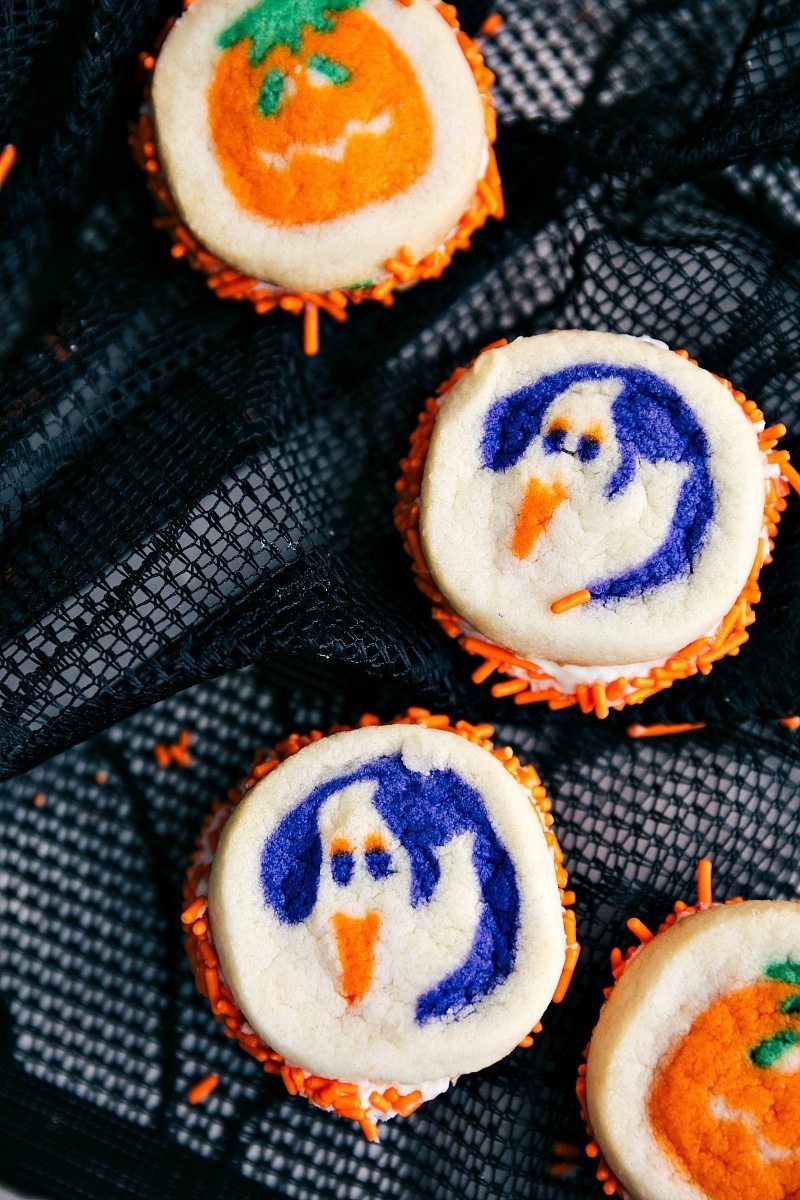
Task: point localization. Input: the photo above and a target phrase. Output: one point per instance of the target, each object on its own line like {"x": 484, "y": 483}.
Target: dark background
{"x": 185, "y": 497}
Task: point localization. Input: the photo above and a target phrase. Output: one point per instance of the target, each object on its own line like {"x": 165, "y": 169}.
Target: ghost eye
{"x": 588, "y": 447}
{"x": 555, "y": 437}
{"x": 342, "y": 862}
{"x": 377, "y": 857}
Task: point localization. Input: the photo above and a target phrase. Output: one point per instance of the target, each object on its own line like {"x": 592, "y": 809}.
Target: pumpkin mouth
{"x": 768, "y": 1150}
{"x": 335, "y": 150}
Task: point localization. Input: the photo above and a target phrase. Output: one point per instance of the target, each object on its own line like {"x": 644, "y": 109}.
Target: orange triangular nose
{"x": 355, "y": 944}
{"x": 536, "y": 511}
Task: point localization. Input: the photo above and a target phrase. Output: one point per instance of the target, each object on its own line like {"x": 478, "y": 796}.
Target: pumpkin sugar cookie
{"x": 589, "y": 513}
{"x": 691, "y": 1088}
{"x": 309, "y": 153}
{"x": 378, "y": 911}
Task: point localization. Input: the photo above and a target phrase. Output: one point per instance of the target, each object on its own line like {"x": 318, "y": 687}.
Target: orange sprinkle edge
{"x": 337, "y": 1095}
{"x": 573, "y": 600}
{"x": 619, "y": 963}
{"x": 230, "y": 284}
{"x": 203, "y": 1089}
{"x": 493, "y": 24}
{"x": 698, "y": 657}
{"x": 8, "y": 157}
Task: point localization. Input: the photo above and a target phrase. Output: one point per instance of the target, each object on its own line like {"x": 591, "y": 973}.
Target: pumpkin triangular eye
{"x": 334, "y": 72}
{"x": 270, "y": 98}
{"x": 767, "y": 1053}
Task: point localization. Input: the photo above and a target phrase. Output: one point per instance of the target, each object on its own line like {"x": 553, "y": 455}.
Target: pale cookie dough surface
{"x": 677, "y": 979}
{"x": 457, "y": 915}
{"x": 348, "y": 249}
{"x": 651, "y": 497}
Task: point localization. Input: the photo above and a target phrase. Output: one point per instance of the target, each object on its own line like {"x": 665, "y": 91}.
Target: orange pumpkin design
{"x": 726, "y": 1105}
{"x": 315, "y": 112}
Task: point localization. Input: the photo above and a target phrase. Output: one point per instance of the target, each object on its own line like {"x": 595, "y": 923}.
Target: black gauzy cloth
{"x": 183, "y": 493}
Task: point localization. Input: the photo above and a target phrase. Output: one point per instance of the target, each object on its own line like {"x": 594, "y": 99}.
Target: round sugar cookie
{"x": 307, "y": 142}
{"x": 384, "y": 907}
{"x": 693, "y": 1072}
{"x": 374, "y": 912}
{"x": 596, "y": 466}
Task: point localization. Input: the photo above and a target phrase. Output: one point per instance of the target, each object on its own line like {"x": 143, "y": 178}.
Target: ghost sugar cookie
{"x": 312, "y": 152}
{"x": 380, "y": 912}
{"x": 691, "y": 1088}
{"x": 589, "y": 513}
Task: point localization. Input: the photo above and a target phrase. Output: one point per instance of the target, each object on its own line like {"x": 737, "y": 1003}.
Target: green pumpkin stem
{"x": 273, "y": 23}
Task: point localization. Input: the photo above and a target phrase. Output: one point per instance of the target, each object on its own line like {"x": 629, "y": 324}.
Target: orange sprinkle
{"x": 101, "y": 777}
{"x": 573, "y": 600}
{"x": 566, "y": 1150}
{"x": 509, "y": 688}
{"x": 600, "y": 700}
{"x": 39, "y": 800}
{"x": 203, "y": 1089}
{"x": 493, "y": 24}
{"x": 704, "y": 870}
{"x": 483, "y": 672}
{"x": 791, "y": 722}
{"x": 640, "y": 930}
{"x": 177, "y": 752}
{"x": 788, "y": 471}
{"x": 380, "y": 1102}
{"x": 195, "y": 910}
{"x": 369, "y": 1128}
{"x": 648, "y": 731}
{"x": 311, "y": 329}
{"x": 8, "y": 156}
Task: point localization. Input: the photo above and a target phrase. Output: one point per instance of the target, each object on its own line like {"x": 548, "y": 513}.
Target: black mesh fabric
{"x": 185, "y": 499}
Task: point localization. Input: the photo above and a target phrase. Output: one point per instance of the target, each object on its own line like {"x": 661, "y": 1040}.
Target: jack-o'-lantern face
{"x": 726, "y": 1105}
{"x": 315, "y": 112}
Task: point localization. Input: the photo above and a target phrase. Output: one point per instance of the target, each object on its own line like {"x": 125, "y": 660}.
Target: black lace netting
{"x": 183, "y": 494}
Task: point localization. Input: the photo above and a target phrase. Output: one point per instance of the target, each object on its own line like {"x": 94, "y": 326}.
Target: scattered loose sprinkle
{"x": 649, "y": 731}
{"x": 339, "y": 1096}
{"x": 177, "y": 752}
{"x": 203, "y": 1089}
{"x": 8, "y": 156}
{"x": 39, "y": 800}
{"x": 791, "y": 722}
{"x": 101, "y": 777}
{"x": 566, "y": 1150}
{"x": 493, "y": 24}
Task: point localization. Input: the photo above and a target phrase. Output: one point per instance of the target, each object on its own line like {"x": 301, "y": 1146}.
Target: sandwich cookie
{"x": 691, "y": 1087}
{"x": 589, "y": 513}
{"x": 381, "y": 910}
{"x": 309, "y": 153}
